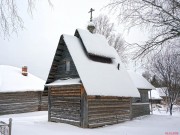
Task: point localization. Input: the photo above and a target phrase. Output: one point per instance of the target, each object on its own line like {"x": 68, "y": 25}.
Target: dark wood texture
{"x": 44, "y": 103}
{"x": 64, "y": 104}
{"x": 58, "y": 67}
{"x": 61, "y": 68}
{"x": 21, "y": 102}
{"x": 84, "y": 108}
{"x": 107, "y": 110}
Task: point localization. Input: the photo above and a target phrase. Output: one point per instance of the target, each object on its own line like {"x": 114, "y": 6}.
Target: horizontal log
{"x": 18, "y": 110}
{"x": 108, "y": 119}
{"x": 72, "y": 87}
{"x": 65, "y": 98}
{"x": 63, "y": 116}
{"x": 107, "y": 103}
{"x": 16, "y": 101}
{"x": 104, "y": 109}
{"x": 107, "y": 113}
{"x": 65, "y": 107}
{"x": 69, "y": 105}
{"x": 95, "y": 125}
{"x": 75, "y": 123}
{"x": 109, "y": 106}
{"x": 66, "y": 91}
{"x": 68, "y": 110}
{"x": 64, "y": 102}
{"x": 26, "y": 93}
{"x": 110, "y": 116}
{"x": 13, "y": 103}
{"x": 108, "y": 97}
{"x": 75, "y": 114}
{"x": 66, "y": 94}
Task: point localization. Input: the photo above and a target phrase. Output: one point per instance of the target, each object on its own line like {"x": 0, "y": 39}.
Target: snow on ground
{"x": 36, "y": 123}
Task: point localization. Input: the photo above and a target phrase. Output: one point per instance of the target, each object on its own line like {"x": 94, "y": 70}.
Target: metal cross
{"x": 91, "y": 10}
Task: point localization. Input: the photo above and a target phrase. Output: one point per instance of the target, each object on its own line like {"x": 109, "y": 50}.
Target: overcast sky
{"x": 35, "y": 46}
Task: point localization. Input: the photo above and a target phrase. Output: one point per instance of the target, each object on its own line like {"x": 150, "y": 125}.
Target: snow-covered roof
{"x": 69, "y": 81}
{"x": 99, "y": 78}
{"x": 162, "y": 91}
{"x": 154, "y": 95}
{"x": 139, "y": 81}
{"x": 91, "y": 24}
{"x": 96, "y": 44}
{"x": 11, "y": 80}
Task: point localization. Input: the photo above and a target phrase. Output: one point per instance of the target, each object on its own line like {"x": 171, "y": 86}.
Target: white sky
{"x": 35, "y": 46}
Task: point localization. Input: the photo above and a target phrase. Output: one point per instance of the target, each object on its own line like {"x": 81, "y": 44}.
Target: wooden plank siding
{"x": 107, "y": 110}
{"x": 44, "y": 103}
{"x": 64, "y": 104}
{"x": 71, "y": 104}
{"x": 21, "y": 102}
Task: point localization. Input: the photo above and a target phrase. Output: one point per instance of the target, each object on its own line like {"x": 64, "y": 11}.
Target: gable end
{"x": 58, "y": 67}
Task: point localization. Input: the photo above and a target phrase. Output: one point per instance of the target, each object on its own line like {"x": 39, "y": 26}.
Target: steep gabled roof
{"x": 11, "y": 80}
{"x": 98, "y": 78}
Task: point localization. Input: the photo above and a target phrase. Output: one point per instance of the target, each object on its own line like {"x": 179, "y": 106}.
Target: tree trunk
{"x": 171, "y": 106}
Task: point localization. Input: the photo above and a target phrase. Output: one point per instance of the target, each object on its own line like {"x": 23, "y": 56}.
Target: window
{"x": 67, "y": 62}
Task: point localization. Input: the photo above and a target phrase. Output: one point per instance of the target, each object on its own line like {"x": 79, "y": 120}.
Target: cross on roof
{"x": 91, "y": 10}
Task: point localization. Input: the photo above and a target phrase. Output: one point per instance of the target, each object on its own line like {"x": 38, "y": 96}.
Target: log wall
{"x": 71, "y": 105}
{"x": 44, "y": 103}
{"x": 64, "y": 104}
{"x": 21, "y": 102}
{"x": 140, "y": 109}
{"x": 106, "y": 110}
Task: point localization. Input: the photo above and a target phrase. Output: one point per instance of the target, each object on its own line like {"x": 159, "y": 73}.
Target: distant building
{"x": 141, "y": 106}
{"x": 20, "y": 91}
{"x": 154, "y": 97}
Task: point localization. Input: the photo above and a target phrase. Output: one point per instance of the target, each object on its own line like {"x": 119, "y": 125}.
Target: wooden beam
{"x": 49, "y": 104}
{"x": 84, "y": 108}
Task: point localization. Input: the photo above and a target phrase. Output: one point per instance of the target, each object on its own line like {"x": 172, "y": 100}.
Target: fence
{"x": 5, "y": 129}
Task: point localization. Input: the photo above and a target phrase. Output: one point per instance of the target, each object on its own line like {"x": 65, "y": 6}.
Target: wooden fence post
{"x": 84, "y": 108}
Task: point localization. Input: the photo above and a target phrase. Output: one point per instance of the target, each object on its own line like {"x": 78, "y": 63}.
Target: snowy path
{"x": 36, "y": 124}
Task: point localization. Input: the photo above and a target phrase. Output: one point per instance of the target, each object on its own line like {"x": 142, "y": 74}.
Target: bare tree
{"x": 166, "y": 65}
{"x": 10, "y": 21}
{"x": 104, "y": 27}
{"x": 160, "y": 17}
